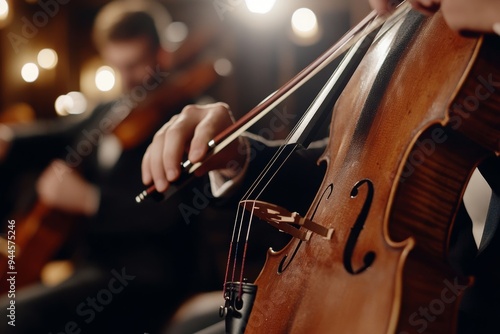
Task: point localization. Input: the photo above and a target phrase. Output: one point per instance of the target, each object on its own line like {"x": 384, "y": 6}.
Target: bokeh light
{"x": 177, "y": 32}
{"x": 260, "y": 6}
{"x": 223, "y": 67}
{"x": 4, "y": 9}
{"x": 79, "y": 103}
{"x": 47, "y": 58}
{"x": 71, "y": 103}
{"x": 105, "y": 78}
{"x": 63, "y": 104}
{"x": 30, "y": 72}
{"x": 304, "y": 23}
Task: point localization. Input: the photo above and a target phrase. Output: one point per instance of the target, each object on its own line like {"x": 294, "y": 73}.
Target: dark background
{"x": 259, "y": 47}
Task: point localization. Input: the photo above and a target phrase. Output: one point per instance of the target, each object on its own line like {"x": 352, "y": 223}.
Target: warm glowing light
{"x": 30, "y": 72}
{"x": 304, "y": 23}
{"x": 177, "y": 32}
{"x": 79, "y": 103}
{"x": 4, "y": 9}
{"x": 223, "y": 67}
{"x": 260, "y": 6}
{"x": 89, "y": 82}
{"x": 63, "y": 105}
{"x": 47, "y": 58}
{"x": 71, "y": 103}
{"x": 105, "y": 78}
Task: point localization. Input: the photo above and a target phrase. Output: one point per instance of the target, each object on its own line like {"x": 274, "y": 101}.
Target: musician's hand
{"x": 188, "y": 134}
{"x": 61, "y": 187}
{"x": 460, "y": 15}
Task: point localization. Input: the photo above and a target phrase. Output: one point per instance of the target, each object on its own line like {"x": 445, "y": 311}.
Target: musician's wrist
{"x": 223, "y": 181}
{"x": 235, "y": 166}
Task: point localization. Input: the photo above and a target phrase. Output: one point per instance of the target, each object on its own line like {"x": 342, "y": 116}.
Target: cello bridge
{"x": 284, "y": 220}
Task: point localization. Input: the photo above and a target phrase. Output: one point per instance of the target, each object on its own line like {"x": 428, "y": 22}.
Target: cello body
{"x": 418, "y": 115}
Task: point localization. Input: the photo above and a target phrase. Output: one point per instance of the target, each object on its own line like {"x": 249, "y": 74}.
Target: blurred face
{"x": 134, "y": 59}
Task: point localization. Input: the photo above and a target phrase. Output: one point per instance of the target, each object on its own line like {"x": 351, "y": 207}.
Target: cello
{"x": 399, "y": 158}
{"x": 373, "y": 250}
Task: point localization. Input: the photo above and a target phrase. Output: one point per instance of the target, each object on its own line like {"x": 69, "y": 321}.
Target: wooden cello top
{"x": 399, "y": 158}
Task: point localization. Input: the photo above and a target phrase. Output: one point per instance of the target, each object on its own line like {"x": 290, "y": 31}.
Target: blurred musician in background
{"x": 134, "y": 263}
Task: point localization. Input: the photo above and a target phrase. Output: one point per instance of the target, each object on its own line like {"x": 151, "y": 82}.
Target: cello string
{"x": 243, "y": 260}
{"x": 267, "y": 175}
{"x": 251, "y": 191}
{"x": 394, "y": 18}
{"x": 311, "y": 110}
{"x": 376, "y": 22}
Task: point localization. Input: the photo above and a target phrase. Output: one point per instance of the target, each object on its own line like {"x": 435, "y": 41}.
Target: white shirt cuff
{"x": 220, "y": 184}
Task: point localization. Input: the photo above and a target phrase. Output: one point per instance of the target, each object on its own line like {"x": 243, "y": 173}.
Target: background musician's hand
{"x": 187, "y": 134}
{"x": 60, "y": 187}
{"x": 457, "y": 13}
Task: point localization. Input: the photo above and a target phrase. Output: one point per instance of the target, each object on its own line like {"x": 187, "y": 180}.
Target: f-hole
{"x": 357, "y": 228}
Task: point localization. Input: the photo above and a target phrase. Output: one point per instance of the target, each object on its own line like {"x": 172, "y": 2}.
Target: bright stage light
{"x": 304, "y": 23}
{"x": 260, "y": 6}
